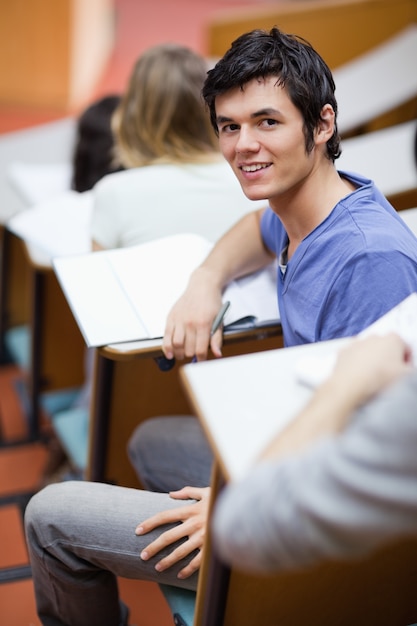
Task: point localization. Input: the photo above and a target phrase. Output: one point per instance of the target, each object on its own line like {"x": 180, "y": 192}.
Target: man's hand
{"x": 193, "y": 526}
{"x": 366, "y": 366}
{"x": 188, "y": 328}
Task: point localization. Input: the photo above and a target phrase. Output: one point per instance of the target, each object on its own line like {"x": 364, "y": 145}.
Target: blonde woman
{"x": 176, "y": 179}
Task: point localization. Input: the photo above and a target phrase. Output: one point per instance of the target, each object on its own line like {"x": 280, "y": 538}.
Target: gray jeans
{"x": 169, "y": 453}
{"x": 81, "y": 536}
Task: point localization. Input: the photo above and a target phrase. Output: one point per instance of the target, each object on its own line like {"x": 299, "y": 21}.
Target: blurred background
{"x": 58, "y": 55}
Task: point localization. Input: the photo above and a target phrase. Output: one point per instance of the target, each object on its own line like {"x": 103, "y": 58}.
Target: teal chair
{"x": 181, "y": 603}
{"x": 71, "y": 427}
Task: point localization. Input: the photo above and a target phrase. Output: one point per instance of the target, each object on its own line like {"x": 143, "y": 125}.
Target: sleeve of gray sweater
{"x": 340, "y": 498}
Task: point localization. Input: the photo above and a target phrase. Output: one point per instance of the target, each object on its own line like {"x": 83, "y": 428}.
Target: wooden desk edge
{"x": 153, "y": 347}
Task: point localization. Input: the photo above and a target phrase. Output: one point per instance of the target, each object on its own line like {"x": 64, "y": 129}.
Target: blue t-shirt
{"x": 359, "y": 263}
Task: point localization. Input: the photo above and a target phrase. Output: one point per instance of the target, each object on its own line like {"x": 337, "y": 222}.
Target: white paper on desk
{"x": 312, "y": 370}
{"x": 57, "y": 227}
{"x": 126, "y": 294}
{"x": 37, "y": 182}
{"x": 244, "y": 401}
{"x": 257, "y": 294}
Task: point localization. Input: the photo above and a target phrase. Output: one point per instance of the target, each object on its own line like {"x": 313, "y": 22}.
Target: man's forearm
{"x": 239, "y": 252}
{"x": 325, "y": 414}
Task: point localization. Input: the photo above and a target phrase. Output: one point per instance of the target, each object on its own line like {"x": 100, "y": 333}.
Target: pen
{"x": 219, "y": 317}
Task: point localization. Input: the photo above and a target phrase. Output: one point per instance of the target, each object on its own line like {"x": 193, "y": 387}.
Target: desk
{"x": 31, "y": 296}
{"x": 57, "y": 347}
{"x": 378, "y": 589}
{"x": 14, "y": 285}
{"x": 129, "y": 388}
{"x": 32, "y": 237}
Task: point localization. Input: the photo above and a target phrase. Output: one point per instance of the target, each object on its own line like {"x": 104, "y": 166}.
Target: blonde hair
{"x": 162, "y": 116}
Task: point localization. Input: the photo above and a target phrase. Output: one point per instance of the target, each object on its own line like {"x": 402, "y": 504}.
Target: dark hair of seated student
{"x": 93, "y": 155}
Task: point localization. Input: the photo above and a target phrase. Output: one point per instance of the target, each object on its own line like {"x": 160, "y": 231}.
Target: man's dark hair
{"x": 298, "y": 67}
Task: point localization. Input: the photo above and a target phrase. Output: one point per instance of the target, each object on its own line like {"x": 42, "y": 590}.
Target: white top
{"x": 141, "y": 204}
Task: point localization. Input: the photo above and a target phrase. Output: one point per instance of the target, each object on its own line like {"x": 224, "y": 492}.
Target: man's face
{"x": 261, "y": 136}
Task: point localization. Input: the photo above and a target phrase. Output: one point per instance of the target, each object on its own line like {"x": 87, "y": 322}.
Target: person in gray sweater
{"x": 341, "y": 480}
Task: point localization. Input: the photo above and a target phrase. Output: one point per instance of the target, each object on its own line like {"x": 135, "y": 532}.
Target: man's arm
{"x": 240, "y": 251}
{"x": 338, "y": 483}
{"x": 362, "y": 370}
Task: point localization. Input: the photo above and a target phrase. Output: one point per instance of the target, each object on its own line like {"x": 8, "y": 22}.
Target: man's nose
{"x": 247, "y": 141}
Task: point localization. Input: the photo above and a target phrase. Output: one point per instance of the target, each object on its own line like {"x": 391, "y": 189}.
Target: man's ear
{"x": 326, "y": 124}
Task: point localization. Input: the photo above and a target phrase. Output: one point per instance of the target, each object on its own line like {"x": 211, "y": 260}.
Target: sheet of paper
{"x": 37, "y": 182}
{"x": 256, "y": 294}
{"x": 313, "y": 369}
{"x": 57, "y": 227}
{"x": 155, "y": 274}
{"x": 103, "y": 314}
{"x": 109, "y": 289}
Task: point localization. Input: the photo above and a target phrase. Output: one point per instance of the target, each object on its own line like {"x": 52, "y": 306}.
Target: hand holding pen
{"x": 165, "y": 364}
{"x": 217, "y": 322}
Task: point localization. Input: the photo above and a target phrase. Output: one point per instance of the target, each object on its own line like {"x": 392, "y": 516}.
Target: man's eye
{"x": 268, "y": 123}
{"x": 229, "y": 128}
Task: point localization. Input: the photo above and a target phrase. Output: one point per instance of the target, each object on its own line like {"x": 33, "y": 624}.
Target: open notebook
{"x": 126, "y": 294}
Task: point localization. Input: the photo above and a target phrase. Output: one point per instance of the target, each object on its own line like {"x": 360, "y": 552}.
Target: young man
{"x": 345, "y": 257}
{"x": 277, "y": 128}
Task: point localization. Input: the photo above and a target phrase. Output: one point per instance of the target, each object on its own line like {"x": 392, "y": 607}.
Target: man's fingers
{"x": 216, "y": 343}
{"x": 163, "y": 541}
{"x": 190, "y": 493}
{"x": 170, "y": 516}
{"x": 192, "y": 566}
{"x": 181, "y": 552}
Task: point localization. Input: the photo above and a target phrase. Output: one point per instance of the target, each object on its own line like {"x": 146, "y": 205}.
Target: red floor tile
{"x": 17, "y": 604}
{"x": 21, "y": 468}
{"x": 13, "y": 550}
{"x": 13, "y": 422}
{"x": 148, "y": 606}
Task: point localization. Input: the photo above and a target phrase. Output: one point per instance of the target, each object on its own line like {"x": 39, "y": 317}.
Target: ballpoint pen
{"x": 219, "y": 317}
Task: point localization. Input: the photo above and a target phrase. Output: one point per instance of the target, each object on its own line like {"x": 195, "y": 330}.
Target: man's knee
{"x": 46, "y": 505}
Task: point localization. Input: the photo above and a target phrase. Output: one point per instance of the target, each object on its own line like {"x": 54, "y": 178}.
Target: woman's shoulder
{"x": 122, "y": 178}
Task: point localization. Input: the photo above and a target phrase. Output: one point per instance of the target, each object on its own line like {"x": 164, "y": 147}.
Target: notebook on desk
{"x": 126, "y": 294}
{"x": 245, "y": 401}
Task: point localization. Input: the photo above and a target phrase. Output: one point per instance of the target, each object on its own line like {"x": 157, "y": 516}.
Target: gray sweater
{"x": 340, "y": 498}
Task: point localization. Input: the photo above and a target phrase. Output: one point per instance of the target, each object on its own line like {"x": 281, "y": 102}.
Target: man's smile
{"x": 254, "y": 167}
